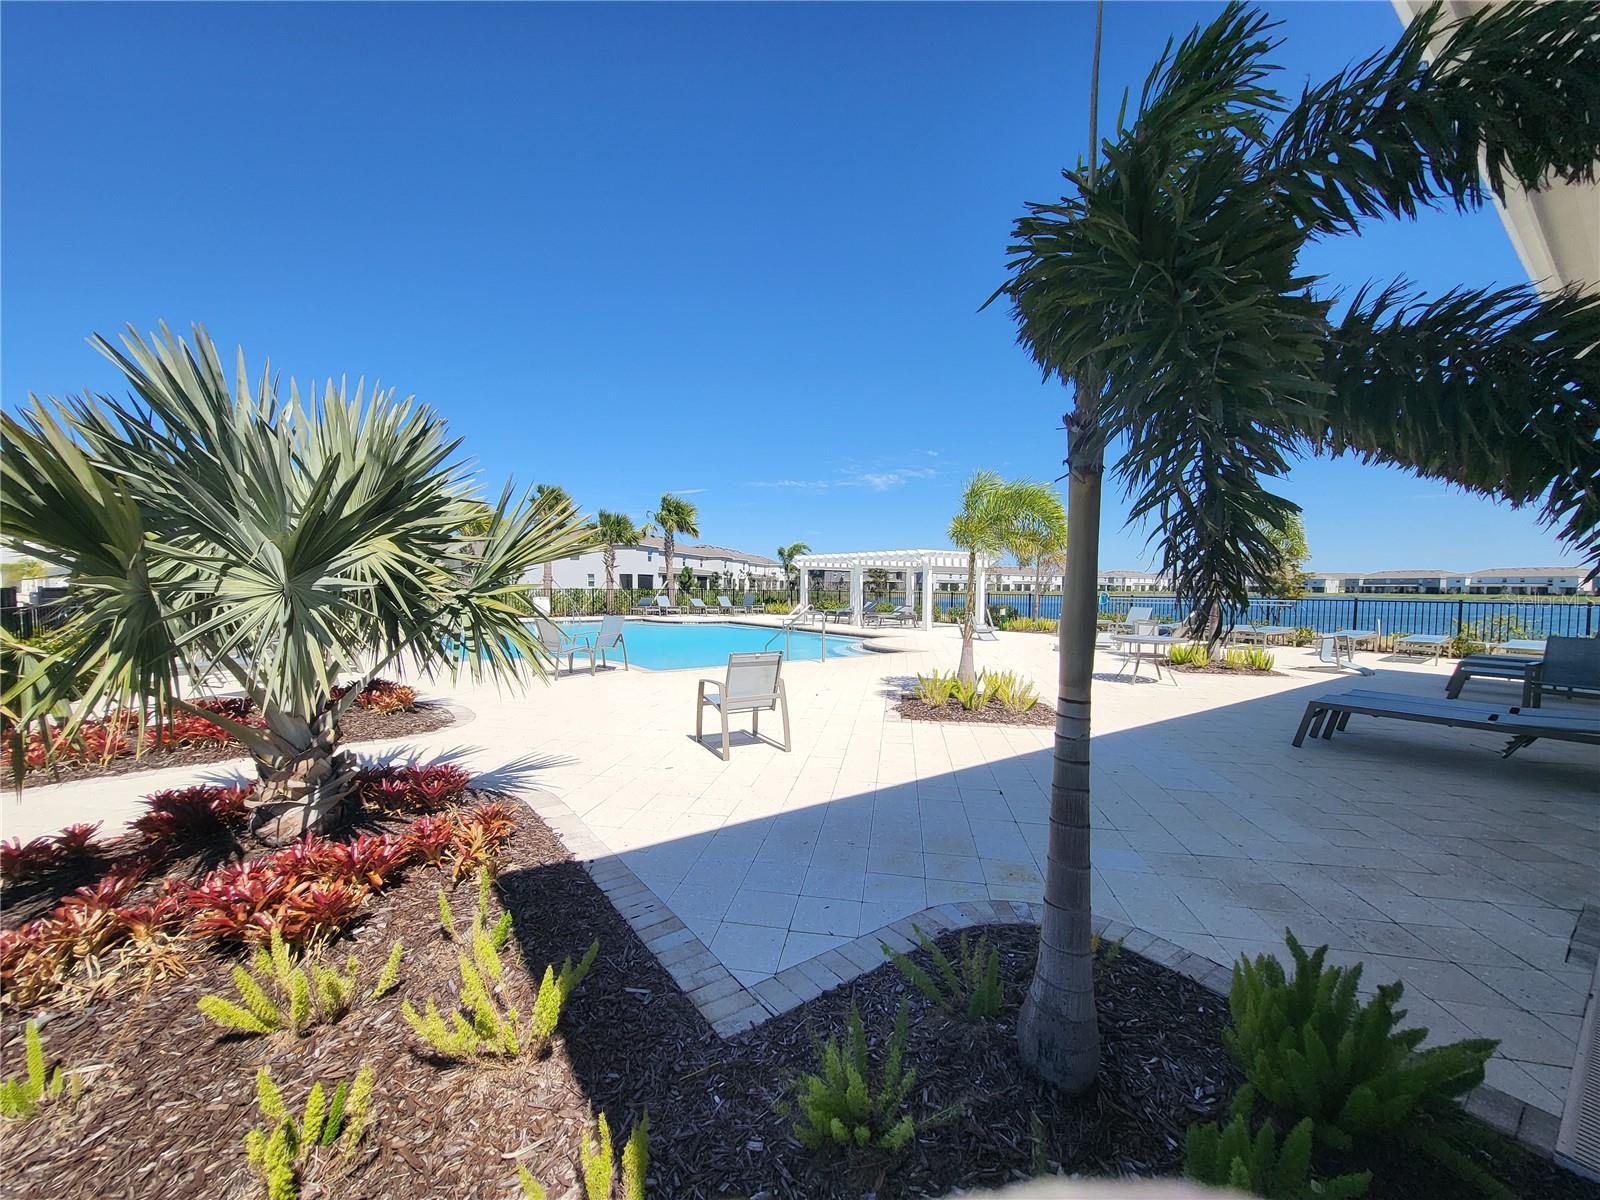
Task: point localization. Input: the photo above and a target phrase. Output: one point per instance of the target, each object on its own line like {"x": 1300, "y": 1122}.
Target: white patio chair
{"x": 697, "y": 606}
{"x": 558, "y": 642}
{"x": 663, "y": 605}
{"x": 610, "y": 638}
{"x": 753, "y": 686}
{"x": 1335, "y": 652}
{"x": 724, "y": 605}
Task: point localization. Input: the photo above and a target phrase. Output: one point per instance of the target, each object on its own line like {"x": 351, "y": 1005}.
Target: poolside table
{"x": 1533, "y": 647}
{"x": 1147, "y": 647}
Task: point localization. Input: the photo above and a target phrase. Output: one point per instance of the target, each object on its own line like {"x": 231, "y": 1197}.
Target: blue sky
{"x": 733, "y": 251}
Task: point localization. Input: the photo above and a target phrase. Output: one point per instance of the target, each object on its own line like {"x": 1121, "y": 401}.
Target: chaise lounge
{"x": 1327, "y": 714}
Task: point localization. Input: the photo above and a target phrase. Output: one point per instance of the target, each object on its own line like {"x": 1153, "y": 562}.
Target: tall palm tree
{"x": 613, "y": 529}
{"x": 1165, "y": 290}
{"x": 287, "y": 542}
{"x": 993, "y": 511}
{"x": 673, "y": 516}
{"x": 1040, "y": 544}
{"x": 551, "y": 497}
{"x": 786, "y": 556}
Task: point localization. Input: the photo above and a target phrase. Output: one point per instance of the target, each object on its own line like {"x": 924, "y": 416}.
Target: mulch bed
{"x": 169, "y": 1098}
{"x": 1213, "y": 669}
{"x": 993, "y": 713}
{"x": 357, "y": 725}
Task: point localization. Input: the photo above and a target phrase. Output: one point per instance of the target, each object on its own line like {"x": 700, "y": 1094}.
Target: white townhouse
{"x": 1132, "y": 581}
{"x": 1407, "y": 583}
{"x": 1531, "y": 581}
{"x": 644, "y": 566}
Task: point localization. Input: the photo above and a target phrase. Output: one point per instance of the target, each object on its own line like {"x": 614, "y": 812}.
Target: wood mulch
{"x": 169, "y": 1098}
{"x": 357, "y": 725}
{"x": 992, "y": 713}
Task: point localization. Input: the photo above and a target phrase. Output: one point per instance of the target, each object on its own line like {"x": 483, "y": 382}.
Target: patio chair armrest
{"x": 716, "y": 683}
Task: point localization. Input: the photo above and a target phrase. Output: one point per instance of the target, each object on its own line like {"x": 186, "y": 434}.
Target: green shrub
{"x": 936, "y": 688}
{"x": 21, "y": 1097}
{"x": 967, "y": 988}
{"x": 1230, "y": 1157}
{"x": 840, "y": 1107}
{"x": 307, "y": 994}
{"x": 278, "y": 1151}
{"x": 488, "y": 1029}
{"x": 1033, "y": 625}
{"x": 599, "y": 1165}
{"x": 1011, "y": 690}
{"x": 1305, "y": 636}
{"x": 1249, "y": 658}
{"x": 1311, "y": 1049}
{"x": 1190, "y": 654}
{"x": 971, "y": 696}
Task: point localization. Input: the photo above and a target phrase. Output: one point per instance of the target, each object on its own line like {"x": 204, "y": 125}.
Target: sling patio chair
{"x": 725, "y": 606}
{"x": 610, "y": 638}
{"x": 1131, "y": 620}
{"x": 558, "y": 642}
{"x": 752, "y": 686}
{"x": 697, "y": 606}
{"x": 1571, "y": 665}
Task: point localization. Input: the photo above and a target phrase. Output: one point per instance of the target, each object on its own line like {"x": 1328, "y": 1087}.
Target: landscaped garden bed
{"x": 385, "y": 709}
{"x": 992, "y": 698}
{"x": 165, "y": 1096}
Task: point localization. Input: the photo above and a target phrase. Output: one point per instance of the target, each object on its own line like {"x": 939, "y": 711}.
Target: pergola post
{"x": 856, "y": 614}
{"x": 805, "y": 586}
{"x": 927, "y": 594}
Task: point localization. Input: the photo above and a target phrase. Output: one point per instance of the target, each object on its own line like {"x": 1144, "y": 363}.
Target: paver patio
{"x": 1416, "y": 850}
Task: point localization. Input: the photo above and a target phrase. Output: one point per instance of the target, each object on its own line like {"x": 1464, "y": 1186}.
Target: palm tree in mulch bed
{"x": 1165, "y": 290}
{"x": 291, "y": 543}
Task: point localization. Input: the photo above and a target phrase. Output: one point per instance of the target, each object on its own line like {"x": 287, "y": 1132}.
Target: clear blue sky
{"x": 733, "y": 251}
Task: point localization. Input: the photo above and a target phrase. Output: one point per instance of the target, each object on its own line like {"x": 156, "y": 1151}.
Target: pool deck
{"x": 1417, "y": 850}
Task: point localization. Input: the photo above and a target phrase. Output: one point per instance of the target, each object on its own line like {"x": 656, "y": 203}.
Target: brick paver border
{"x": 731, "y": 1008}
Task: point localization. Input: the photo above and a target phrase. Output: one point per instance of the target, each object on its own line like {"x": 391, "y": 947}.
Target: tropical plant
{"x": 1042, "y": 545}
{"x": 967, "y": 987}
{"x": 1190, "y": 654}
{"x": 498, "y": 936}
{"x": 936, "y": 688}
{"x": 551, "y": 498}
{"x": 1229, "y": 1157}
{"x": 492, "y": 1029}
{"x": 598, "y": 1162}
{"x": 994, "y": 513}
{"x": 674, "y": 515}
{"x": 278, "y": 1152}
{"x": 1011, "y": 690}
{"x": 308, "y": 992}
{"x": 876, "y": 583}
{"x": 1287, "y": 578}
{"x": 288, "y": 544}
{"x": 18, "y": 569}
{"x": 1166, "y": 290}
{"x": 1313, "y": 1050}
{"x": 840, "y": 1107}
{"x": 686, "y": 578}
{"x": 1247, "y": 658}
{"x": 971, "y": 694}
{"x": 786, "y": 556}
{"x": 21, "y": 1097}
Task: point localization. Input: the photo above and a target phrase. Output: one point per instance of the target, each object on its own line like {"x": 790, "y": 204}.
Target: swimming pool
{"x": 660, "y": 646}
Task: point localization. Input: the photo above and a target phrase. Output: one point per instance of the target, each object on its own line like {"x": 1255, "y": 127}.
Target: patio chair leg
{"x": 1344, "y": 721}
{"x": 783, "y": 702}
{"x": 726, "y": 754}
{"x": 700, "y": 722}
{"x": 755, "y": 721}
{"x": 1515, "y": 744}
{"x": 1329, "y": 723}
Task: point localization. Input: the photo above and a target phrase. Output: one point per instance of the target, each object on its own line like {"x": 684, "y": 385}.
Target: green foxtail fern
{"x": 841, "y": 1107}
{"x": 1227, "y": 1156}
{"x": 278, "y": 1152}
{"x": 967, "y": 988}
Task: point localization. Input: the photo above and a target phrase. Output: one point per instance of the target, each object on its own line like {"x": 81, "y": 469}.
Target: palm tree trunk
{"x": 1058, "y": 1034}
{"x": 967, "y": 670}
{"x": 305, "y": 791}
{"x": 611, "y": 578}
{"x": 1057, "y": 1031}
{"x": 549, "y": 581}
{"x": 667, "y": 547}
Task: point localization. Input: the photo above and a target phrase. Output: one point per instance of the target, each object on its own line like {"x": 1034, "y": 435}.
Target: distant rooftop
{"x": 705, "y": 549}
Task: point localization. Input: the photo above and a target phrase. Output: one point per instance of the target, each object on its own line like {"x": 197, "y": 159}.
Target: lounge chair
{"x": 646, "y": 607}
{"x": 662, "y": 606}
{"x": 982, "y": 631}
{"x": 1496, "y": 666}
{"x": 1326, "y": 714}
{"x": 1335, "y": 652}
{"x": 1571, "y": 664}
{"x": 724, "y": 605}
{"x": 749, "y": 603}
{"x": 610, "y": 638}
{"x": 697, "y": 606}
{"x": 1422, "y": 643}
{"x": 901, "y": 614}
{"x": 557, "y": 642}
{"x": 1136, "y": 614}
{"x": 752, "y": 685}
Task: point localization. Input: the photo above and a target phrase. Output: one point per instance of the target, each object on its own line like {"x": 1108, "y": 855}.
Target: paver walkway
{"x": 1416, "y": 850}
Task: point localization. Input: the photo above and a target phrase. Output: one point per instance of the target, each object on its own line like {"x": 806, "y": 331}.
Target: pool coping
{"x": 854, "y": 633}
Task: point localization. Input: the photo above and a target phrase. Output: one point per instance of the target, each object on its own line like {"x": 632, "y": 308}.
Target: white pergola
{"x": 858, "y": 563}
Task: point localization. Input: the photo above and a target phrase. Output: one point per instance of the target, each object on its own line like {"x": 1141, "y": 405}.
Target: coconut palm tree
{"x": 1165, "y": 290}
{"x": 554, "y": 497}
{"x": 613, "y": 529}
{"x": 786, "y": 556}
{"x": 291, "y": 543}
{"x": 673, "y": 516}
{"x": 993, "y": 512}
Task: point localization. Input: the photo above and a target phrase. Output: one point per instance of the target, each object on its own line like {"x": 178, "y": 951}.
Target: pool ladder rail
{"x": 787, "y": 630}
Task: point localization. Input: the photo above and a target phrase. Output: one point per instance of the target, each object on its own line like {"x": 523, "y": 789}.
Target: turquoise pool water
{"x": 658, "y": 646}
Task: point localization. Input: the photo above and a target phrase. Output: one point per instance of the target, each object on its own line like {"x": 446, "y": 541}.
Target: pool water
{"x": 659, "y": 646}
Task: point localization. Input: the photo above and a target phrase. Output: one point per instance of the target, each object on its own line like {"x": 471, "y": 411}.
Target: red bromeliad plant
{"x": 75, "y": 843}
{"x": 402, "y": 789}
{"x": 194, "y": 813}
{"x": 383, "y": 696}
